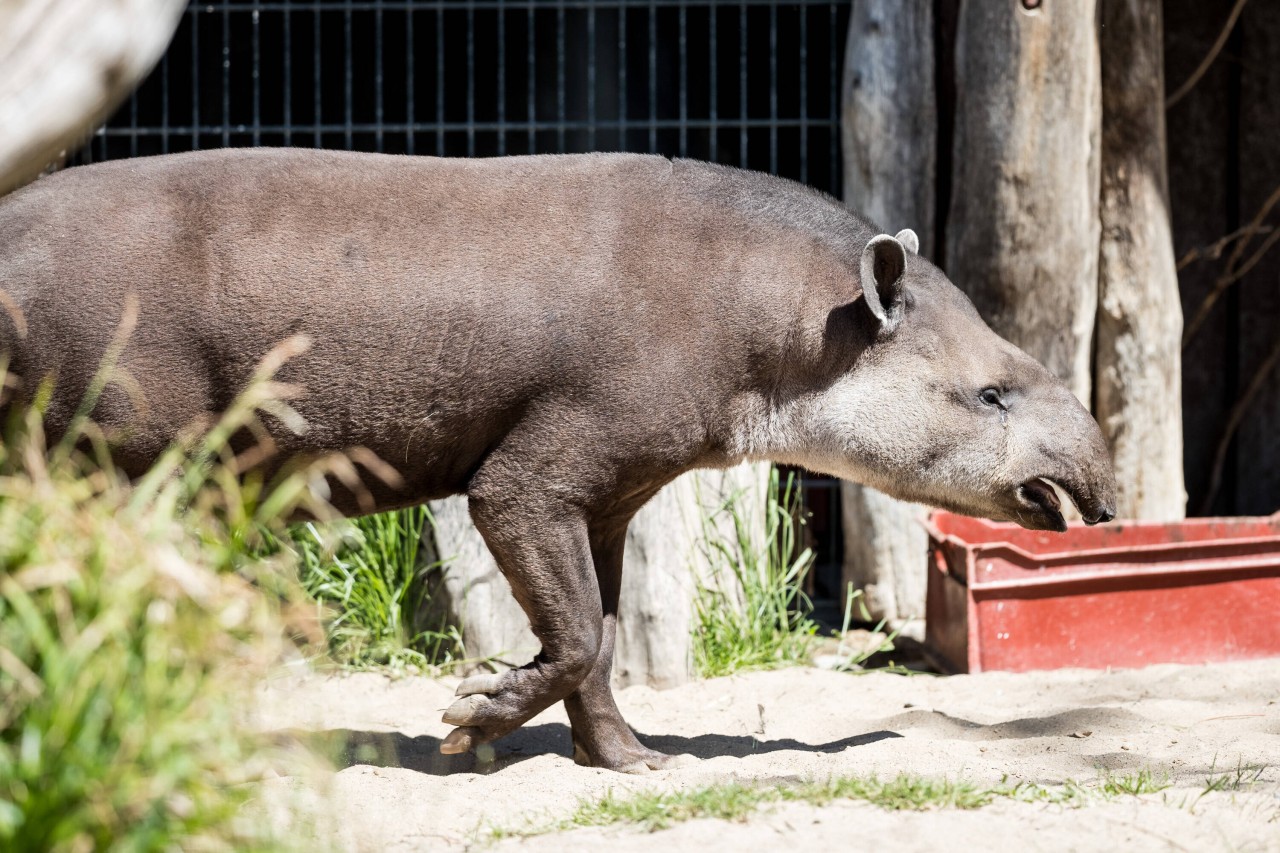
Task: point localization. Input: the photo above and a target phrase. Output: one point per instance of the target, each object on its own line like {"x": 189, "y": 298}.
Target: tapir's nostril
{"x": 1103, "y": 516}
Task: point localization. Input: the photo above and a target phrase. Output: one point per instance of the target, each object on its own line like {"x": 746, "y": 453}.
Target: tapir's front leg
{"x": 541, "y": 544}
{"x": 601, "y": 737}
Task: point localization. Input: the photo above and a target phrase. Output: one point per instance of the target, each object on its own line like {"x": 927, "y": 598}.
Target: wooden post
{"x": 64, "y": 65}
{"x": 660, "y": 578}
{"x": 1022, "y": 233}
{"x": 889, "y": 129}
{"x": 1138, "y": 375}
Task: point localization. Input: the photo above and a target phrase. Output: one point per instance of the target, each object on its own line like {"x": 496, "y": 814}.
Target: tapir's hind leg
{"x": 601, "y": 738}
{"x": 542, "y": 546}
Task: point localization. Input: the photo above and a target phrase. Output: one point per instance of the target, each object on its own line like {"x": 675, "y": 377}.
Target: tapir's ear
{"x": 883, "y": 263}
{"x": 909, "y": 240}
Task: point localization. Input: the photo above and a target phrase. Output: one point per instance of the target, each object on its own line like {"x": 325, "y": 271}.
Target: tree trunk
{"x": 1138, "y": 393}
{"x": 64, "y": 64}
{"x": 889, "y": 129}
{"x": 662, "y": 569}
{"x": 1022, "y": 233}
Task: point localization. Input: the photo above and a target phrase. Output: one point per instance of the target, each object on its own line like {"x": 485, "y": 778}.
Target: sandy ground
{"x": 393, "y": 790}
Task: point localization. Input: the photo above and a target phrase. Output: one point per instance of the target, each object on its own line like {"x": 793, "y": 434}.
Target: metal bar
{"x": 653, "y": 78}
{"x": 318, "y": 79}
{"x": 531, "y": 106}
{"x": 441, "y": 5}
{"x": 461, "y": 126}
{"x": 804, "y": 92}
{"x": 713, "y": 58}
{"x": 471, "y": 80}
{"x": 195, "y": 77}
{"x": 164, "y": 104}
{"x": 410, "y": 84}
{"x": 226, "y": 78}
{"x": 561, "y": 106}
{"x": 346, "y": 79}
{"x": 622, "y": 78}
{"x": 773, "y": 90}
{"x": 833, "y": 114}
{"x": 684, "y": 81}
{"x": 378, "y": 113}
{"x": 502, "y": 83}
{"x": 257, "y": 74}
{"x": 591, "y": 78}
{"x": 742, "y": 82}
{"x": 440, "y": 81}
{"x": 287, "y": 94}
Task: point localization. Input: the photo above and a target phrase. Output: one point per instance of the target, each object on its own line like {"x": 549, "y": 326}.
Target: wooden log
{"x": 663, "y": 567}
{"x": 889, "y": 131}
{"x": 64, "y": 65}
{"x": 1138, "y": 394}
{"x": 1022, "y": 232}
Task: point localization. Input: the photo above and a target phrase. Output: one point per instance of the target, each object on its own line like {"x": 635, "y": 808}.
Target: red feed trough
{"x": 1125, "y": 594}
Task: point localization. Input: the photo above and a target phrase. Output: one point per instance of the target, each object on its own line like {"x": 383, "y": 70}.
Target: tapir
{"x": 554, "y": 337}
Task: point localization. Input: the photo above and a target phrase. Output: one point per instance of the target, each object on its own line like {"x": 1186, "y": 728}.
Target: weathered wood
{"x": 662, "y": 569}
{"x": 1022, "y": 232}
{"x": 64, "y": 64}
{"x": 889, "y": 130}
{"x": 1138, "y": 393}
{"x": 889, "y": 119}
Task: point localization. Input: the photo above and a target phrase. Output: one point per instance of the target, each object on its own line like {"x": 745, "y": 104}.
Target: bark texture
{"x": 64, "y": 64}
{"x": 663, "y": 567}
{"x": 1022, "y": 233}
{"x": 1138, "y": 396}
{"x": 889, "y": 129}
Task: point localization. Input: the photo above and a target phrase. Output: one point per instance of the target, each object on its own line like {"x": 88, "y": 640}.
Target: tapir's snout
{"x": 1073, "y": 455}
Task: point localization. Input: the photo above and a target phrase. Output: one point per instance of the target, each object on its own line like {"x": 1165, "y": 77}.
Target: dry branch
{"x": 1207, "y": 62}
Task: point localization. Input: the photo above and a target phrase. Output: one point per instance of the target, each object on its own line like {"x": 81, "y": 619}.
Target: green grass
{"x": 769, "y": 626}
{"x": 370, "y": 579}
{"x": 651, "y": 811}
{"x": 134, "y": 621}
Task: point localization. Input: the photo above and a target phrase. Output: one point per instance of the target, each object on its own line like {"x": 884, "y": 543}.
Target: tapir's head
{"x": 932, "y": 406}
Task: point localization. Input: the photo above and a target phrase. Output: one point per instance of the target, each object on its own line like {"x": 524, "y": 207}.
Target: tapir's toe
{"x": 460, "y": 740}
{"x": 488, "y": 682}
{"x": 467, "y": 709}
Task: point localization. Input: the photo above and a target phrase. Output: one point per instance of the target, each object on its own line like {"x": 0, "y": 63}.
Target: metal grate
{"x": 752, "y": 84}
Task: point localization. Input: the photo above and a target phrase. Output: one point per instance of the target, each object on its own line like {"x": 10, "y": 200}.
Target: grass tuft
{"x": 656, "y": 810}
{"x": 133, "y": 624}
{"x": 369, "y": 578}
{"x": 769, "y": 626}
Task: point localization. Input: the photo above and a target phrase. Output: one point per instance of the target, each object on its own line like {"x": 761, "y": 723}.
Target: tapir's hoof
{"x": 634, "y": 761}
{"x": 460, "y": 740}
{"x": 484, "y": 683}
{"x": 465, "y": 710}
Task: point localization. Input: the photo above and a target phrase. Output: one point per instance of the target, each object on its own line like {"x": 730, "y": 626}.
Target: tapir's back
{"x": 443, "y": 297}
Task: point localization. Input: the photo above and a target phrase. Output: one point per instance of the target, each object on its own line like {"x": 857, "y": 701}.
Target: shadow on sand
{"x": 348, "y": 748}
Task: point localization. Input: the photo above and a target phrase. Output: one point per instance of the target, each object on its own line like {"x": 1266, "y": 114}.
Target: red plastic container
{"x": 1125, "y": 594}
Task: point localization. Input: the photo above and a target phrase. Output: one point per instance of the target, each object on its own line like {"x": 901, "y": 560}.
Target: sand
{"x": 393, "y": 791}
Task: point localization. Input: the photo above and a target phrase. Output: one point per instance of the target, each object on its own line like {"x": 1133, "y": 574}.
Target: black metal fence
{"x": 752, "y": 84}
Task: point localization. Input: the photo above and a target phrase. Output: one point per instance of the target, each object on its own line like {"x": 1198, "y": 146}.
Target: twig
{"x": 1209, "y": 58}
{"x": 1233, "y": 272}
{"x": 1214, "y": 250}
{"x": 1233, "y": 423}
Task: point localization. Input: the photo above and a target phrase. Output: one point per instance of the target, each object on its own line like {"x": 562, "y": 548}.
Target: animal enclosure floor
{"x": 1186, "y": 725}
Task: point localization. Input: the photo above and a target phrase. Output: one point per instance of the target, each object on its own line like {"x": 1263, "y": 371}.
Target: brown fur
{"x": 555, "y": 337}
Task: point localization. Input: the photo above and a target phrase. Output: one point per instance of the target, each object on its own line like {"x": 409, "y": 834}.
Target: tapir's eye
{"x": 991, "y": 397}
